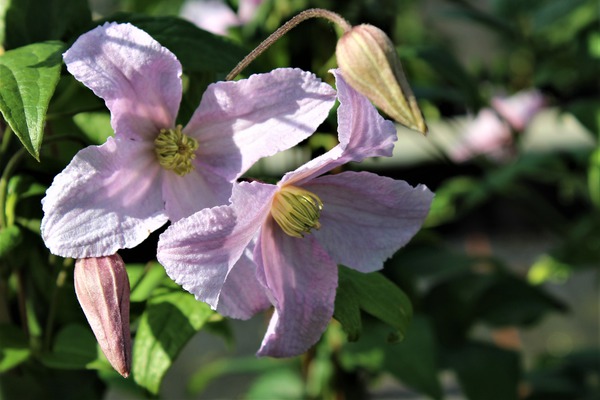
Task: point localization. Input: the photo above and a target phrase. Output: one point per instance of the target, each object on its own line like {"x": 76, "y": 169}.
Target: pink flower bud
{"x": 369, "y": 63}
{"x": 102, "y": 288}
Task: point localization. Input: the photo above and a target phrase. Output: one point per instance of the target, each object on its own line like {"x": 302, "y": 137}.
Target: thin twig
{"x": 285, "y": 28}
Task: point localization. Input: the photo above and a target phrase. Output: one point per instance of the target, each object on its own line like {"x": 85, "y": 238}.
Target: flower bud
{"x": 102, "y": 288}
{"x": 369, "y": 63}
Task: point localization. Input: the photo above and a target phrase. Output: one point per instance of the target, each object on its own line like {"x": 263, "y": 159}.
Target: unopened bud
{"x": 102, "y": 288}
{"x": 369, "y": 63}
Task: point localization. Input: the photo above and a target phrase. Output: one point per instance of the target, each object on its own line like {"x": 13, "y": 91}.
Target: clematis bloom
{"x": 114, "y": 195}
{"x": 490, "y": 132}
{"x": 216, "y": 16}
{"x": 280, "y": 244}
{"x": 520, "y": 108}
{"x": 486, "y": 134}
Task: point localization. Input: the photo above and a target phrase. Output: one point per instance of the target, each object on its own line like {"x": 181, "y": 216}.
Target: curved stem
{"x": 6, "y": 174}
{"x": 6, "y": 138}
{"x": 285, "y": 28}
{"x": 60, "y": 282}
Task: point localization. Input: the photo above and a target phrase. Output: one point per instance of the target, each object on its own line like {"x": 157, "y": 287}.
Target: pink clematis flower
{"x": 490, "y": 132}
{"x": 486, "y": 134}
{"x": 519, "y": 109}
{"x": 280, "y": 244}
{"x": 114, "y": 195}
{"x": 217, "y": 17}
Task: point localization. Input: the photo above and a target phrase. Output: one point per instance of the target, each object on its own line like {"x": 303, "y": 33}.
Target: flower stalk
{"x": 285, "y": 28}
{"x": 368, "y": 59}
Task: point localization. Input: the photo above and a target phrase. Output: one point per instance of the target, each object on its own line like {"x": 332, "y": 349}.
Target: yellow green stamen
{"x": 175, "y": 150}
{"x": 296, "y": 210}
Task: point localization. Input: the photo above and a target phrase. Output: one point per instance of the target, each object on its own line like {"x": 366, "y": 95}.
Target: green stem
{"x": 6, "y": 174}
{"x": 4, "y": 314}
{"x": 60, "y": 281}
{"x": 6, "y": 138}
{"x": 285, "y": 28}
{"x": 22, "y": 296}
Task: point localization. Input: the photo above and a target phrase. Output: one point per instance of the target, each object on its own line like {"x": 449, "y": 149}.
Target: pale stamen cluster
{"x": 296, "y": 210}
{"x": 175, "y": 150}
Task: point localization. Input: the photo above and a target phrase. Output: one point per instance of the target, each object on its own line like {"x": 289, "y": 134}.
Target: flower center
{"x": 296, "y": 210}
{"x": 175, "y": 150}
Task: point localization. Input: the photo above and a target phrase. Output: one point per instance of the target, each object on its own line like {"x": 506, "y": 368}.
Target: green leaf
{"x": 486, "y": 372}
{"x": 374, "y": 294}
{"x": 170, "y": 320}
{"x": 231, "y": 366}
{"x": 28, "y": 77}
{"x": 10, "y": 238}
{"x": 21, "y": 188}
{"x": 32, "y": 21}
{"x": 347, "y": 312}
{"x": 24, "y": 186}
{"x": 94, "y": 125}
{"x": 280, "y": 384}
{"x": 511, "y": 301}
{"x": 155, "y": 7}
{"x": 14, "y": 348}
{"x": 197, "y": 50}
{"x": 3, "y": 7}
{"x": 413, "y": 361}
{"x": 560, "y": 21}
{"x": 151, "y": 278}
{"x": 75, "y": 347}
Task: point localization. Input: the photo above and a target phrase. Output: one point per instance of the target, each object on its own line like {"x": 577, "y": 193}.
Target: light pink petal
{"x": 199, "y": 251}
{"x": 211, "y": 15}
{"x": 239, "y": 122}
{"x": 139, "y": 80}
{"x": 201, "y": 188}
{"x": 242, "y": 295}
{"x": 247, "y": 9}
{"x": 108, "y": 198}
{"x": 520, "y": 108}
{"x": 486, "y": 134}
{"x": 366, "y": 218}
{"x": 362, "y": 133}
{"x": 301, "y": 280}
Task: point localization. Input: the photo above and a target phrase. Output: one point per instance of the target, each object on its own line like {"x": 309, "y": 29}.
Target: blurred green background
{"x": 504, "y": 277}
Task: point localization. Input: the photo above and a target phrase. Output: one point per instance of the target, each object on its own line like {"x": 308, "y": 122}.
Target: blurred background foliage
{"x": 503, "y": 280}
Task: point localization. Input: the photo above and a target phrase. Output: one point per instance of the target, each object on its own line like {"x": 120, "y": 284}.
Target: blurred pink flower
{"x": 281, "y": 244}
{"x": 217, "y": 17}
{"x": 520, "y": 108}
{"x": 490, "y": 132}
{"x": 486, "y": 134}
{"x": 113, "y": 196}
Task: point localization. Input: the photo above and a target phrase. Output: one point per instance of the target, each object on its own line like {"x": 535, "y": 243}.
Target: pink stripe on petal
{"x": 242, "y": 295}
{"x": 185, "y": 195}
{"x": 362, "y": 133}
{"x": 366, "y": 218}
{"x": 199, "y": 251}
{"x": 239, "y": 122}
{"x": 108, "y": 198}
{"x": 139, "y": 79}
{"x": 301, "y": 280}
